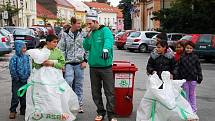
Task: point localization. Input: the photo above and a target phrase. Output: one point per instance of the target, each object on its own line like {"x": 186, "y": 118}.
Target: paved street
{"x": 205, "y": 91}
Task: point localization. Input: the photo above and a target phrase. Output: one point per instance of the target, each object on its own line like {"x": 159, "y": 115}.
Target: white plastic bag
{"x": 165, "y": 104}
{"x": 49, "y": 97}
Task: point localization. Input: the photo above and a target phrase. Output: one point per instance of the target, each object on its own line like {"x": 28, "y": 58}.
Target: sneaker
{"x": 113, "y": 119}
{"x": 99, "y": 118}
{"x": 81, "y": 110}
{"x": 12, "y": 115}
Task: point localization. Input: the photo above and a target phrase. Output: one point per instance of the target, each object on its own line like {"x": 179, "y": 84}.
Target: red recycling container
{"x": 124, "y": 73}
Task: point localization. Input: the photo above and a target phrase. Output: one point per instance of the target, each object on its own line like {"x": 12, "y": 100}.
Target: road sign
{"x": 5, "y": 15}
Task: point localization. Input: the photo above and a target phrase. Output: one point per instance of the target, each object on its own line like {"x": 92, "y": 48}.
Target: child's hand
{"x": 48, "y": 63}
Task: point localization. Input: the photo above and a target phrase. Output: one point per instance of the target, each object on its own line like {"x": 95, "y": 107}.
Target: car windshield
{"x": 120, "y": 34}
{"x": 23, "y": 32}
{"x": 187, "y": 37}
{"x": 4, "y": 32}
{"x": 134, "y": 34}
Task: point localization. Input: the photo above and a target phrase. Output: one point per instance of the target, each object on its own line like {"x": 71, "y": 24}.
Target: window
{"x": 205, "y": 38}
{"x": 135, "y": 34}
{"x": 176, "y": 37}
{"x": 187, "y": 37}
{"x": 150, "y": 34}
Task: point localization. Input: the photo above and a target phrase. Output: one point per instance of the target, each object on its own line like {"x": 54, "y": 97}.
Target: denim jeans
{"x": 74, "y": 75}
{"x": 190, "y": 89}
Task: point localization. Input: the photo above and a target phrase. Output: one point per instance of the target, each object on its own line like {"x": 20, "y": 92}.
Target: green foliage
{"x": 188, "y": 16}
{"x": 126, "y": 7}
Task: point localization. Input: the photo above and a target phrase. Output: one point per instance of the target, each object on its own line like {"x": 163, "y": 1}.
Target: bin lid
{"x": 124, "y": 66}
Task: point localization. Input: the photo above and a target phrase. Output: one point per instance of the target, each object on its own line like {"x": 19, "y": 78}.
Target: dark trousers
{"x": 15, "y": 99}
{"x": 103, "y": 77}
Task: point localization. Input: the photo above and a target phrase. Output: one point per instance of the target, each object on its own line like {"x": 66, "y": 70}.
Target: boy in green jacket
{"x": 99, "y": 43}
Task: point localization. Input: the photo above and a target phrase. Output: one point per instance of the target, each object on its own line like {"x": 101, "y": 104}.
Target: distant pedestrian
{"x": 99, "y": 43}
{"x": 20, "y": 70}
{"x": 189, "y": 68}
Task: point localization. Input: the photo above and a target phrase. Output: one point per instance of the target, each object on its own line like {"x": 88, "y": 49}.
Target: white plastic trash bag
{"x": 165, "y": 104}
{"x": 48, "y": 97}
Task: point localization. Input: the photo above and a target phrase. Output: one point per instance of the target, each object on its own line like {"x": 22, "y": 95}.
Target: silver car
{"x": 139, "y": 40}
{"x": 172, "y": 40}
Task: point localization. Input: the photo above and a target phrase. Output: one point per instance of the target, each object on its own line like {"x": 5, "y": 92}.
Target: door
{"x": 204, "y": 43}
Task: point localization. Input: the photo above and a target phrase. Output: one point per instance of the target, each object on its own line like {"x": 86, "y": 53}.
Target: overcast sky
{"x": 113, "y": 2}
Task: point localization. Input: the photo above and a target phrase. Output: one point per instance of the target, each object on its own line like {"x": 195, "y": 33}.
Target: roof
{"x": 119, "y": 12}
{"x": 42, "y": 11}
{"x": 103, "y": 7}
{"x": 79, "y": 6}
{"x": 64, "y": 3}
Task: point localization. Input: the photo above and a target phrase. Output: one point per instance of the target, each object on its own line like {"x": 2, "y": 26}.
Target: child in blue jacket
{"x": 20, "y": 70}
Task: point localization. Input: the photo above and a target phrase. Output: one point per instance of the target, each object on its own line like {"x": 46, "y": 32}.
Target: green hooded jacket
{"x": 99, "y": 39}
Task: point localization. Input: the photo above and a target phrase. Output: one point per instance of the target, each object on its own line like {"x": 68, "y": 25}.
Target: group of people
{"x": 75, "y": 49}
{"x": 71, "y": 53}
{"x": 182, "y": 64}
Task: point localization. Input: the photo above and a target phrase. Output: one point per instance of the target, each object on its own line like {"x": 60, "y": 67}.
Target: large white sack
{"x": 175, "y": 108}
{"x": 49, "y": 97}
{"x": 39, "y": 55}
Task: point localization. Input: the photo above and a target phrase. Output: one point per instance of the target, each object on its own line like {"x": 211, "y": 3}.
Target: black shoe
{"x": 22, "y": 113}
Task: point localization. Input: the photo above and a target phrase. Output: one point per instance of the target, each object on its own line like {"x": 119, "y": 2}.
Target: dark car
{"x": 26, "y": 35}
{"x": 120, "y": 39}
{"x": 5, "y": 45}
{"x": 204, "y": 44}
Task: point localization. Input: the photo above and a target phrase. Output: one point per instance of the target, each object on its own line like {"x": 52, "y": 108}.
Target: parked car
{"x": 7, "y": 34}
{"x": 172, "y": 40}
{"x": 37, "y": 32}
{"x": 204, "y": 45}
{"x": 120, "y": 39}
{"x": 10, "y": 28}
{"x": 139, "y": 40}
{"x": 5, "y": 46}
{"x": 26, "y": 35}
{"x": 47, "y": 28}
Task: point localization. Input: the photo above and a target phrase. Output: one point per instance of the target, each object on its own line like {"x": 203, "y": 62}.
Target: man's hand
{"x": 83, "y": 65}
{"x": 105, "y": 54}
{"x": 48, "y": 63}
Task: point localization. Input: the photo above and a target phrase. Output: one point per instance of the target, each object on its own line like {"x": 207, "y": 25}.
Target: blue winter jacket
{"x": 19, "y": 64}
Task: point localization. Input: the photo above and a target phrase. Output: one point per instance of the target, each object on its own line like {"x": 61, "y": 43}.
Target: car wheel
{"x": 143, "y": 48}
{"x": 118, "y": 47}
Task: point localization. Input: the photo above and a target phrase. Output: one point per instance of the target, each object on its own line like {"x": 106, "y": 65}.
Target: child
{"x": 50, "y": 91}
{"x": 161, "y": 60}
{"x": 20, "y": 71}
{"x": 190, "y": 69}
{"x": 179, "y": 49}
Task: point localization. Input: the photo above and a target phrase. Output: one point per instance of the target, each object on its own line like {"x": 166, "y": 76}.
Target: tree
{"x": 12, "y": 11}
{"x": 101, "y": 1}
{"x": 126, "y": 6}
{"x": 188, "y": 16}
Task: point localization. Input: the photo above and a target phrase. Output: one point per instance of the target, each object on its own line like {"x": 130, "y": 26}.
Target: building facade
{"x": 145, "y": 9}
{"x": 80, "y": 9}
{"x": 27, "y": 13}
{"x": 107, "y": 14}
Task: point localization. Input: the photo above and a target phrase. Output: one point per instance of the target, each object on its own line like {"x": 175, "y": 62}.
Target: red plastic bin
{"x": 124, "y": 73}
